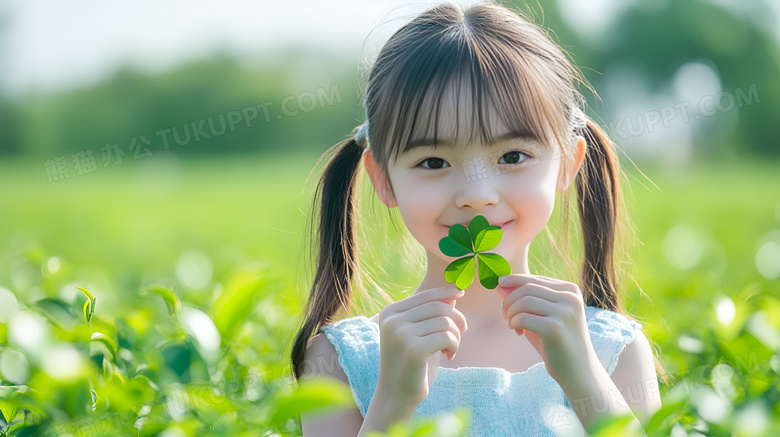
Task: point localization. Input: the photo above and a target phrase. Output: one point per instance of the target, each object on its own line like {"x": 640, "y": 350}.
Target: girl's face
{"x": 512, "y": 183}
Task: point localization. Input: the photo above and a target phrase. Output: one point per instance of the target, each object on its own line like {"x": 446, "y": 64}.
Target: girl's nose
{"x": 477, "y": 192}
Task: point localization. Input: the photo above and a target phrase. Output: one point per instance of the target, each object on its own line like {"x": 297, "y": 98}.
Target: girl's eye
{"x": 435, "y": 163}
{"x": 513, "y": 157}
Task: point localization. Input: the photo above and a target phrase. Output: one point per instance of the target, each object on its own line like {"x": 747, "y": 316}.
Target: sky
{"x": 56, "y": 44}
{"x": 53, "y": 45}
{"x": 48, "y": 46}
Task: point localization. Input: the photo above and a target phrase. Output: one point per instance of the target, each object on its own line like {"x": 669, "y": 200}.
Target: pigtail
{"x": 599, "y": 201}
{"x": 336, "y": 260}
{"x": 598, "y": 195}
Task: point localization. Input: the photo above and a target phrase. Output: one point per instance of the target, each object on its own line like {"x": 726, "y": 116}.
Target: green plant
{"x": 726, "y": 355}
{"x": 472, "y": 242}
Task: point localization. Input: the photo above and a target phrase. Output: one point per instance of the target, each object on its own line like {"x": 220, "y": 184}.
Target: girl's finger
{"x": 532, "y": 322}
{"x": 532, "y": 305}
{"x": 436, "y": 309}
{"x": 444, "y": 294}
{"x": 537, "y": 290}
{"x": 504, "y": 291}
{"x": 519, "y": 279}
{"x": 441, "y": 341}
{"x": 434, "y": 325}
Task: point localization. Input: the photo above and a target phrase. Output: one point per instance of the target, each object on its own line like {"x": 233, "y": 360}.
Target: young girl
{"x": 474, "y": 112}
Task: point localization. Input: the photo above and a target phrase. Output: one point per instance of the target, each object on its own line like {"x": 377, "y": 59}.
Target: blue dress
{"x": 528, "y": 403}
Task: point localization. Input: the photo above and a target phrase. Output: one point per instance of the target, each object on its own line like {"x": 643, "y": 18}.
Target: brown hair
{"x": 505, "y": 61}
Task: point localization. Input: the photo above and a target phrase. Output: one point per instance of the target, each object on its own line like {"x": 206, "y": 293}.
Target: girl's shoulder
{"x": 610, "y": 332}
{"x": 355, "y": 323}
{"x": 355, "y": 341}
{"x": 601, "y": 318}
{"x": 355, "y": 334}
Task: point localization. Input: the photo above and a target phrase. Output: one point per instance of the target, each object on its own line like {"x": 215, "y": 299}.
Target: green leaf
{"x": 491, "y": 267}
{"x": 86, "y": 292}
{"x": 87, "y": 313}
{"x": 424, "y": 429}
{"x": 170, "y": 298}
{"x": 488, "y": 238}
{"x": 110, "y": 370}
{"x": 399, "y": 429}
{"x": 89, "y": 305}
{"x": 106, "y": 340}
{"x": 460, "y": 272}
{"x": 667, "y": 409}
{"x": 244, "y": 289}
{"x": 461, "y": 241}
{"x": 457, "y": 243}
{"x": 612, "y": 425}
{"x": 207, "y": 400}
{"x": 226, "y": 422}
{"x": 59, "y": 312}
{"x": 314, "y": 397}
{"x": 14, "y": 398}
{"x": 8, "y": 410}
{"x": 477, "y": 225}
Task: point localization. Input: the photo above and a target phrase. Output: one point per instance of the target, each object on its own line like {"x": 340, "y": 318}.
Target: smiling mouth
{"x": 500, "y": 225}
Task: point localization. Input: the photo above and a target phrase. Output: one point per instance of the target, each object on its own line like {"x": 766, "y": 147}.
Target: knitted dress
{"x": 528, "y": 403}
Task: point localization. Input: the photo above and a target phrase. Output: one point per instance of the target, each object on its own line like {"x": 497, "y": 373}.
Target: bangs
{"x": 475, "y": 80}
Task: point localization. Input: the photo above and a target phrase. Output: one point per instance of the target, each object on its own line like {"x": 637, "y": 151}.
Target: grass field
{"x": 189, "y": 224}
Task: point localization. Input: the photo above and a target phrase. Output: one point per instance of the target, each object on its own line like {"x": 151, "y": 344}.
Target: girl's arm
{"x": 635, "y": 375}
{"x": 342, "y": 423}
{"x": 380, "y": 414}
{"x": 590, "y": 393}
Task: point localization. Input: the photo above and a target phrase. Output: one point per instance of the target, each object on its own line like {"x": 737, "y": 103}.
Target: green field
{"x": 196, "y": 226}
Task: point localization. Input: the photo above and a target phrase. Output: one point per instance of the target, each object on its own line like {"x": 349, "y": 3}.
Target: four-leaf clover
{"x": 480, "y": 236}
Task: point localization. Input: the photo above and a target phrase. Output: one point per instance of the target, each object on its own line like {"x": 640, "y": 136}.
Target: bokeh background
{"x": 163, "y": 157}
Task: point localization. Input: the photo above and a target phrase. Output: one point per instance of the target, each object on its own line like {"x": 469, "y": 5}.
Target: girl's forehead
{"x": 460, "y": 128}
{"x": 457, "y": 115}
{"x": 455, "y": 121}
{"x": 497, "y": 136}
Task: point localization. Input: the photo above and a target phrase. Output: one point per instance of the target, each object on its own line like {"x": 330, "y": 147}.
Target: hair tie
{"x": 362, "y": 133}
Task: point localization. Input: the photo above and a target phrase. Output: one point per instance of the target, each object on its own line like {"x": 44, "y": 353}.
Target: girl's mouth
{"x": 501, "y": 225}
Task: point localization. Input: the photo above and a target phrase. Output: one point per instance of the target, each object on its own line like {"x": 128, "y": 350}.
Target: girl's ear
{"x": 378, "y": 180}
{"x": 579, "y": 154}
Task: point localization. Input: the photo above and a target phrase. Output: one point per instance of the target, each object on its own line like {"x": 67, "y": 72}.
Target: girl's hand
{"x": 412, "y": 331}
{"x": 551, "y": 314}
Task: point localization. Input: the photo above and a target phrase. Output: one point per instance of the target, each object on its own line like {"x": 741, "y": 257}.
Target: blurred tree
{"x": 10, "y": 138}
{"x": 211, "y": 106}
{"x": 739, "y": 43}
{"x": 218, "y": 105}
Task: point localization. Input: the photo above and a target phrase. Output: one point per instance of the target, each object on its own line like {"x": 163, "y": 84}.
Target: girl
{"x": 474, "y": 112}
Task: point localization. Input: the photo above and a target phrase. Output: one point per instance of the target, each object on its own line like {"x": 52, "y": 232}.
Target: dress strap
{"x": 356, "y": 340}
{"x": 610, "y": 332}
